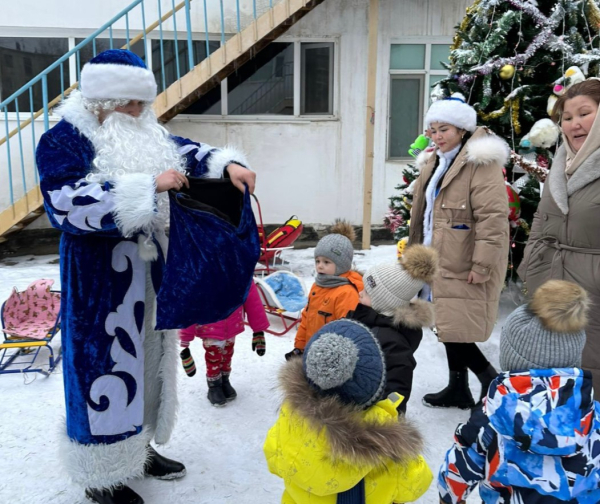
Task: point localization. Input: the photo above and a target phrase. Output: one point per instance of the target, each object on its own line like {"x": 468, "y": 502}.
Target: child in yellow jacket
{"x": 336, "y": 287}
{"x": 335, "y": 440}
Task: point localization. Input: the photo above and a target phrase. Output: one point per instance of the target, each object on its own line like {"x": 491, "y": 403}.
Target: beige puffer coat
{"x": 564, "y": 243}
{"x": 472, "y": 195}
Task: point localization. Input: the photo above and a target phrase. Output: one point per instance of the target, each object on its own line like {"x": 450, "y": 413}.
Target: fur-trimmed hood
{"x": 482, "y": 148}
{"x": 416, "y": 315}
{"x": 351, "y": 438}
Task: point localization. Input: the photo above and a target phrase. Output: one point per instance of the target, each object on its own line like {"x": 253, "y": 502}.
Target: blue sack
{"x": 213, "y": 250}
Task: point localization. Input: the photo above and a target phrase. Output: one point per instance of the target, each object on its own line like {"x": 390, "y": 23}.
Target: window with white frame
{"x": 415, "y": 67}
{"x": 284, "y": 79}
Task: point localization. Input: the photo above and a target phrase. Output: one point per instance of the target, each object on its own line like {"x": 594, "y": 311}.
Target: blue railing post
{"x": 33, "y": 128}
{"x": 127, "y": 29}
{"x": 188, "y": 22}
{"x": 222, "y": 24}
{"x": 175, "y": 41}
{"x": 162, "y": 51}
{"x": 10, "y": 180}
{"x": 20, "y": 146}
{"x": 206, "y": 30}
{"x": 144, "y": 32}
{"x": 237, "y": 5}
{"x": 45, "y": 100}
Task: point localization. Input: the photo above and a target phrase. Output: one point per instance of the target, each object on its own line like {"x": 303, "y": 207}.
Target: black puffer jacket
{"x": 399, "y": 337}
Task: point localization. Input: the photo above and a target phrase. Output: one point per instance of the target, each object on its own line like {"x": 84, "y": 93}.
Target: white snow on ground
{"x": 221, "y": 447}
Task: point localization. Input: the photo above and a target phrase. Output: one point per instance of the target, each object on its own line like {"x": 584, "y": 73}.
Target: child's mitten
{"x": 296, "y": 352}
{"x": 259, "y": 345}
{"x": 188, "y": 362}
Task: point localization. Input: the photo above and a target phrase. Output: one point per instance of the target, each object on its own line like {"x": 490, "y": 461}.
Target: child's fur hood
{"x": 349, "y": 437}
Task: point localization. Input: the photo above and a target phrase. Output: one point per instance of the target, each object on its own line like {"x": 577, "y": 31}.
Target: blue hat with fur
{"x": 117, "y": 74}
{"x": 344, "y": 359}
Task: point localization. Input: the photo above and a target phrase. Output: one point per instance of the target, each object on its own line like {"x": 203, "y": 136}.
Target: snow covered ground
{"x": 221, "y": 447}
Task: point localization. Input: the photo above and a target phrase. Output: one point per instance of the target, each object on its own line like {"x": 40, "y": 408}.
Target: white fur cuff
{"x": 220, "y": 159}
{"x": 104, "y": 465}
{"x": 108, "y": 81}
{"x": 135, "y": 202}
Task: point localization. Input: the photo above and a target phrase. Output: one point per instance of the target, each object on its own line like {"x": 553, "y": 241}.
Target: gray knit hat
{"x": 344, "y": 359}
{"x": 548, "y": 332}
{"x": 338, "y": 249}
{"x": 393, "y": 285}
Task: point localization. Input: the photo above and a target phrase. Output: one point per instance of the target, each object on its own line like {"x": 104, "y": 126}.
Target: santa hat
{"x": 117, "y": 74}
{"x": 453, "y": 110}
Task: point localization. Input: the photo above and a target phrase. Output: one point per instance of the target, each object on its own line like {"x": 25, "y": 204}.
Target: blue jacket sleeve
{"x": 203, "y": 160}
{"x": 464, "y": 464}
{"x": 78, "y": 206}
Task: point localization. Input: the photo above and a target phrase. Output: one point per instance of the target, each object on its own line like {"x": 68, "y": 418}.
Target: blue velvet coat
{"x": 119, "y": 373}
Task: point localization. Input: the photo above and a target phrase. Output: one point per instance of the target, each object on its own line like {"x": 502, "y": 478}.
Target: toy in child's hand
{"x": 296, "y": 352}
{"x": 418, "y": 146}
{"x": 259, "y": 345}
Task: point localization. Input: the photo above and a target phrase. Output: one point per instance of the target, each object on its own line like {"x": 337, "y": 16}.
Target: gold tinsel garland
{"x": 457, "y": 40}
{"x": 514, "y": 105}
{"x": 593, "y": 13}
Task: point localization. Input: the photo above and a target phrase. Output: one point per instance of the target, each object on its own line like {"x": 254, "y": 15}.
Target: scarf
{"x": 591, "y": 144}
{"x": 431, "y": 192}
{"x": 330, "y": 281}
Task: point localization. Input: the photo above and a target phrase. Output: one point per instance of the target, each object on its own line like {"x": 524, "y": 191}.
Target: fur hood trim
{"x": 350, "y": 438}
{"x": 71, "y": 109}
{"x": 420, "y": 262}
{"x": 344, "y": 228}
{"x": 486, "y": 150}
{"x": 423, "y": 158}
{"x": 416, "y": 315}
{"x": 561, "y": 306}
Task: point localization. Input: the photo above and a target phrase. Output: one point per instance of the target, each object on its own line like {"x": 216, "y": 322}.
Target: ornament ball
{"x": 507, "y": 71}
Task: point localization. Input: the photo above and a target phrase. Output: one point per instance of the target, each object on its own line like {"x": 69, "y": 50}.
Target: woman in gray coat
{"x": 564, "y": 242}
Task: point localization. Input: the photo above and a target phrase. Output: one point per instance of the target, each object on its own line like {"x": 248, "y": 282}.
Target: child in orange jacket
{"x": 336, "y": 288}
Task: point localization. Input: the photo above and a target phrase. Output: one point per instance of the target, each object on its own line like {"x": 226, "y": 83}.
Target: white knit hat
{"x": 453, "y": 110}
{"x": 393, "y": 285}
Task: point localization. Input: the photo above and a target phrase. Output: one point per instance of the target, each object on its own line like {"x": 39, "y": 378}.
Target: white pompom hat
{"x": 453, "y": 110}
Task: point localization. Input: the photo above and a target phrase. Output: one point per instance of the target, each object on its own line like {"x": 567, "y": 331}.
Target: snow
{"x": 221, "y": 447}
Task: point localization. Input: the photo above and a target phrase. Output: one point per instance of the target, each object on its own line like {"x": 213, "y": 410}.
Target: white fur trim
{"x": 71, "y": 109}
{"x": 487, "y": 150}
{"x": 423, "y": 158}
{"x": 108, "y": 81}
{"x": 135, "y": 202}
{"x": 147, "y": 249}
{"x": 104, "y": 465}
{"x": 220, "y": 159}
{"x": 167, "y": 411}
{"x": 452, "y": 112}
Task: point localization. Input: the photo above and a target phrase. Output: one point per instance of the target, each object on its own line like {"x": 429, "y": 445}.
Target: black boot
{"x": 119, "y": 495}
{"x": 215, "y": 392}
{"x": 160, "y": 467}
{"x": 486, "y": 377}
{"x": 228, "y": 390}
{"x": 455, "y": 395}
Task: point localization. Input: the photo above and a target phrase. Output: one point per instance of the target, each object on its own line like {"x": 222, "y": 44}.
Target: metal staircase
{"x": 20, "y": 197}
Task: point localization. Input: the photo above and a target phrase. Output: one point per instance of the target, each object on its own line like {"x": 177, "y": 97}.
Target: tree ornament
{"x": 593, "y": 13}
{"x": 530, "y": 167}
{"x": 507, "y": 72}
{"x": 401, "y": 246}
{"x": 514, "y": 203}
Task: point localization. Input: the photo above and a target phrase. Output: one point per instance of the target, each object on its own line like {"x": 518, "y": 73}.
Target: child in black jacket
{"x": 387, "y": 307}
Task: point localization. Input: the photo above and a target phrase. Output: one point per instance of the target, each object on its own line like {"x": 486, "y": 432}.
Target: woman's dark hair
{"x": 590, "y": 87}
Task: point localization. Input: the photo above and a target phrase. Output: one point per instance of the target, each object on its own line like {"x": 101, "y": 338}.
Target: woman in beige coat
{"x": 564, "y": 242}
{"x": 460, "y": 208}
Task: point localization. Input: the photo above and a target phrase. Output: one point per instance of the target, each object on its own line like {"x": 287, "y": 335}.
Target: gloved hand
{"x": 259, "y": 345}
{"x": 296, "y": 352}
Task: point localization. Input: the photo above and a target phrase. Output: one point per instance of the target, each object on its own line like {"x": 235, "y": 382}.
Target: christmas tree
{"x": 506, "y": 59}
{"x": 397, "y": 219}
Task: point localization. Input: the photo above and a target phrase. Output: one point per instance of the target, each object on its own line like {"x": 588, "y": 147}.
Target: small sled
{"x": 284, "y": 296}
{"x": 30, "y": 320}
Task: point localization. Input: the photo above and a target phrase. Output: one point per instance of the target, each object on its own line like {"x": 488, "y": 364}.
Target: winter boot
{"x": 486, "y": 377}
{"x": 228, "y": 390}
{"x": 215, "y": 392}
{"x": 119, "y": 495}
{"x": 160, "y": 467}
{"x": 455, "y": 395}
{"x": 189, "y": 366}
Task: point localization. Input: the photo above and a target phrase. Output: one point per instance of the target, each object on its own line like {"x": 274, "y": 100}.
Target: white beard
{"x": 126, "y": 144}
